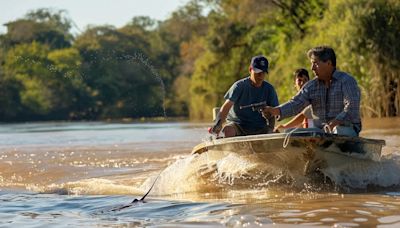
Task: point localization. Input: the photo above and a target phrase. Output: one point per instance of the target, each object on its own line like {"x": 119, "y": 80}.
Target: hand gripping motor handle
{"x": 216, "y": 128}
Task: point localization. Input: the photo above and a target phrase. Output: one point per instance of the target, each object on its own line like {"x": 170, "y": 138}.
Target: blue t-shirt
{"x": 242, "y": 93}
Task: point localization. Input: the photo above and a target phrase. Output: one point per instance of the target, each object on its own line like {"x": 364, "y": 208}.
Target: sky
{"x": 91, "y": 12}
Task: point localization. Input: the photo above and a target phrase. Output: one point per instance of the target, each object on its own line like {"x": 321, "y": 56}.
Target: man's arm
{"x": 221, "y": 117}
{"x": 292, "y": 107}
{"x": 223, "y": 112}
{"x": 295, "y": 122}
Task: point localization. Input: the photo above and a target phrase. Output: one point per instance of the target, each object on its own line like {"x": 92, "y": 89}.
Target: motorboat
{"x": 305, "y": 149}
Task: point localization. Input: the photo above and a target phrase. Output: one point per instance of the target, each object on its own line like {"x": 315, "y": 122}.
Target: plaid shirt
{"x": 340, "y": 101}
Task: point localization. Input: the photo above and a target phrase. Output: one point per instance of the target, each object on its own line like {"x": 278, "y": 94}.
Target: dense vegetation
{"x": 182, "y": 66}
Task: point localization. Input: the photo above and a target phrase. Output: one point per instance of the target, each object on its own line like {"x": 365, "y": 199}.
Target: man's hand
{"x": 217, "y": 127}
{"x": 333, "y": 123}
{"x": 278, "y": 128}
{"x": 221, "y": 117}
{"x": 269, "y": 111}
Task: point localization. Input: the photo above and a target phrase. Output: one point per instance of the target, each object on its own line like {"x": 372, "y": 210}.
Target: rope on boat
{"x": 327, "y": 129}
{"x": 287, "y": 137}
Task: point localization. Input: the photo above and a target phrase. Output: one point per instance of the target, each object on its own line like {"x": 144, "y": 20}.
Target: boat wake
{"x": 359, "y": 174}
{"x": 226, "y": 171}
{"x": 221, "y": 170}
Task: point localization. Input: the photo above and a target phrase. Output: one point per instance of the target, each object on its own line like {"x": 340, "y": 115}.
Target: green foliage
{"x": 363, "y": 36}
{"x": 379, "y": 31}
{"x": 43, "y": 26}
{"x": 117, "y": 69}
{"x": 296, "y": 17}
{"x": 286, "y": 32}
{"x": 10, "y": 101}
{"x": 51, "y": 18}
{"x": 177, "y": 43}
{"x": 48, "y": 79}
{"x": 27, "y": 63}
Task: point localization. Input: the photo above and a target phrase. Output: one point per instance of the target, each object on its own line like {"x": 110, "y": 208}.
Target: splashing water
{"x": 145, "y": 61}
{"x": 223, "y": 169}
{"x": 362, "y": 174}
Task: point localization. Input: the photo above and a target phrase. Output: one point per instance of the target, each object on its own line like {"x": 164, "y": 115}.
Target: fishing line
{"x": 135, "y": 201}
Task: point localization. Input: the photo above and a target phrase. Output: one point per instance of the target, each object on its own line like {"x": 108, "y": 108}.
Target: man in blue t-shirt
{"x": 240, "y": 118}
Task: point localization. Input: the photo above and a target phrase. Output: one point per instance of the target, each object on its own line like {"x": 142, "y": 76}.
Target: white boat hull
{"x": 300, "y": 140}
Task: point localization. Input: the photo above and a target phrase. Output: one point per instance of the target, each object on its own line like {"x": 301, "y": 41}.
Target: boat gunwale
{"x": 301, "y": 135}
{"x": 310, "y": 135}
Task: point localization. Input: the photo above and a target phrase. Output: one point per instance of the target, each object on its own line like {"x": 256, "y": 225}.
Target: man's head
{"x": 259, "y": 64}
{"x": 300, "y": 78}
{"x": 323, "y": 61}
{"x": 258, "y": 68}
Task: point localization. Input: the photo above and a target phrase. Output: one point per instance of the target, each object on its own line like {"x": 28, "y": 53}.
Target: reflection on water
{"x": 312, "y": 209}
{"x": 75, "y": 173}
{"x": 96, "y": 133}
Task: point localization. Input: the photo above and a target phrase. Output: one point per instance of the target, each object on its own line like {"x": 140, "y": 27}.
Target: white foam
{"x": 93, "y": 186}
{"x": 360, "y": 174}
{"x": 216, "y": 169}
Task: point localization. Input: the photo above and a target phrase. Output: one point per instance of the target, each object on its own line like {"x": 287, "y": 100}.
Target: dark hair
{"x": 301, "y": 72}
{"x": 323, "y": 53}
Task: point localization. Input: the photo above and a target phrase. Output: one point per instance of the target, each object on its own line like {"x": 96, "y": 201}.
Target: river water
{"x": 88, "y": 173}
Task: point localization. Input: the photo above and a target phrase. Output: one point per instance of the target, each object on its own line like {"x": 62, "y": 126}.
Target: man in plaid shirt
{"x": 333, "y": 95}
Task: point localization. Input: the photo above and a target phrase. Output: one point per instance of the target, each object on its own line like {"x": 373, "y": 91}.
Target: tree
{"x": 176, "y": 44}
{"x": 43, "y": 26}
{"x": 116, "y": 66}
{"x": 10, "y": 100}
{"x": 379, "y": 31}
{"x": 48, "y": 81}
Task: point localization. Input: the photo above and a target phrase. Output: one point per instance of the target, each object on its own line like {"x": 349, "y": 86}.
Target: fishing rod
{"x": 135, "y": 201}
